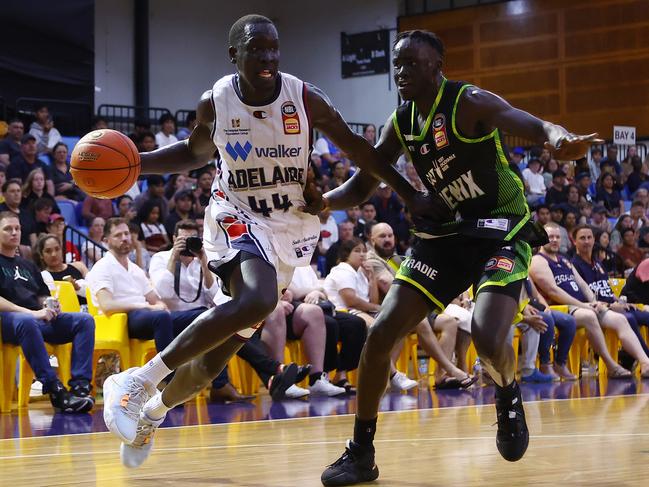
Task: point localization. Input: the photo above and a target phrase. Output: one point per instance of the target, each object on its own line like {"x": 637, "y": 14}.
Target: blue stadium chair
{"x": 70, "y": 142}
{"x": 45, "y": 159}
{"x": 627, "y": 205}
{"x": 68, "y": 211}
{"x": 80, "y": 220}
{"x": 339, "y": 215}
{"x": 612, "y": 221}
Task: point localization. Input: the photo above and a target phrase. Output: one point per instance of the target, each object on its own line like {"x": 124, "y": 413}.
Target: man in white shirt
{"x": 120, "y": 286}
{"x": 534, "y": 182}
{"x": 183, "y": 281}
{"x": 167, "y": 128}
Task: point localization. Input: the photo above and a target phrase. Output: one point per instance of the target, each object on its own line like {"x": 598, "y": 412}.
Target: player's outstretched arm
{"x": 189, "y": 154}
{"x": 481, "y": 111}
{"x": 327, "y": 119}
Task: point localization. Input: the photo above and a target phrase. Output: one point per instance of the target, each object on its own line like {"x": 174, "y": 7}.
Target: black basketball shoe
{"x": 356, "y": 465}
{"x": 280, "y": 382}
{"x": 66, "y": 402}
{"x": 513, "y": 436}
{"x": 303, "y": 372}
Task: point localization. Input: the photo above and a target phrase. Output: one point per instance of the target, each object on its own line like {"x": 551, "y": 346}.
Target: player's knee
{"x": 380, "y": 338}
{"x": 258, "y": 308}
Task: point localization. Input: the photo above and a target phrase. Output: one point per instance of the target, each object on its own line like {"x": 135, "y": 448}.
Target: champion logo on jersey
{"x": 238, "y": 150}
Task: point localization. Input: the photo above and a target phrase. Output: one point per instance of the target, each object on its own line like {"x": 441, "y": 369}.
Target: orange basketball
{"x": 105, "y": 163}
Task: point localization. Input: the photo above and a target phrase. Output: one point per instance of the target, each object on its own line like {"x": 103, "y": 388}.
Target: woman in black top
{"x": 63, "y": 184}
{"x": 49, "y": 258}
{"x": 609, "y": 197}
{"x": 34, "y": 188}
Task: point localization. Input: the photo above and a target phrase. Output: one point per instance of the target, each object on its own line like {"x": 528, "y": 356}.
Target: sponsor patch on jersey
{"x": 425, "y": 149}
{"x": 500, "y": 263}
{"x": 439, "y": 131}
{"x": 260, "y": 114}
{"x": 494, "y": 223}
{"x": 290, "y": 118}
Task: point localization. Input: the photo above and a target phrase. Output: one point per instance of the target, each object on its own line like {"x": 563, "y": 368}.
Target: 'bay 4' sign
{"x": 623, "y": 135}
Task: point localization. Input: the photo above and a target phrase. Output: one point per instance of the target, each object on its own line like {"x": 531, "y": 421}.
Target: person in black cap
{"x": 184, "y": 210}
{"x": 583, "y": 182}
{"x": 599, "y": 219}
{"x": 25, "y": 162}
{"x": 557, "y": 193}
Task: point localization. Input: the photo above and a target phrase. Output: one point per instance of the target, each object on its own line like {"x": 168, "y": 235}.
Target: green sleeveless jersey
{"x": 472, "y": 176}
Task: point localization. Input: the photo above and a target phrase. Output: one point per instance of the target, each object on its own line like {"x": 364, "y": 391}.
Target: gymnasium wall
{"x": 188, "y": 50}
{"x": 582, "y": 63}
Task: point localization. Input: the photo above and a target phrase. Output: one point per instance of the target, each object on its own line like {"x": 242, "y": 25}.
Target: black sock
{"x": 314, "y": 377}
{"x": 508, "y": 391}
{"x": 364, "y": 431}
{"x": 392, "y": 374}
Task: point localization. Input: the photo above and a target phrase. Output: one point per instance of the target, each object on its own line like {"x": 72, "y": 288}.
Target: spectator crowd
{"x": 135, "y": 258}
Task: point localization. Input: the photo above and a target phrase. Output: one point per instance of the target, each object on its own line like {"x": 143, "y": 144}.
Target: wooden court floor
{"x": 590, "y": 441}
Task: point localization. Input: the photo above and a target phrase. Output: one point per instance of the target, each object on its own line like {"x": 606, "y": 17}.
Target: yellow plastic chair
{"x": 63, "y": 354}
{"x": 111, "y": 335}
{"x": 67, "y": 296}
{"x": 8, "y": 359}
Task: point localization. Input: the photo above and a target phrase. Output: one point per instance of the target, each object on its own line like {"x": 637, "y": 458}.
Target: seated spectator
{"x": 34, "y": 189}
{"x": 56, "y": 226}
{"x": 609, "y": 197}
{"x": 629, "y": 251}
{"x": 339, "y": 174}
{"x": 573, "y": 199}
{"x": 190, "y": 122}
{"x": 570, "y": 222}
{"x": 138, "y": 254}
{"x": 549, "y": 168}
{"x": 3, "y": 180}
{"x": 595, "y": 159}
{"x": 623, "y": 222}
{"x": 43, "y": 129}
{"x": 300, "y": 321}
{"x": 184, "y": 283}
{"x": 146, "y": 142}
{"x": 388, "y": 208}
{"x": 531, "y": 326}
{"x": 328, "y": 231}
{"x": 353, "y": 215}
{"x": 642, "y": 195}
{"x": 175, "y": 183}
{"x": 120, "y": 286}
{"x": 42, "y": 210}
{"x": 12, "y": 191}
{"x": 183, "y": 210}
{"x": 141, "y": 126}
{"x": 64, "y": 186}
{"x": 413, "y": 178}
{"x": 155, "y": 192}
{"x": 98, "y": 122}
{"x": 166, "y": 135}
{"x": 384, "y": 261}
{"x": 369, "y": 133}
{"x": 126, "y": 208}
{"x": 553, "y": 319}
{"x": 328, "y": 154}
{"x": 637, "y": 214}
{"x": 345, "y": 233}
{"x": 10, "y": 145}
{"x": 636, "y": 287}
{"x": 599, "y": 220}
{"x": 611, "y": 262}
{"x": 25, "y": 162}
{"x": 96, "y": 207}
{"x": 583, "y": 182}
{"x": 341, "y": 327}
{"x": 25, "y": 321}
{"x": 556, "y": 278}
{"x": 557, "y": 214}
{"x": 89, "y": 248}
{"x": 534, "y": 182}
{"x": 48, "y": 256}
{"x": 366, "y": 220}
{"x": 585, "y": 212}
{"x": 591, "y": 270}
{"x": 558, "y": 192}
{"x": 627, "y": 162}
{"x": 611, "y": 159}
{"x": 152, "y": 231}
{"x": 203, "y": 191}
{"x": 636, "y": 176}
{"x": 542, "y": 214}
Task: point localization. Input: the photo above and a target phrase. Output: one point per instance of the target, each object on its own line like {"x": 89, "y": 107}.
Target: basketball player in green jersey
{"x": 477, "y": 232}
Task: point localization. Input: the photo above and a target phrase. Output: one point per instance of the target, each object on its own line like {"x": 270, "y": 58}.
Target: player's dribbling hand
{"x": 314, "y": 203}
{"x": 571, "y": 147}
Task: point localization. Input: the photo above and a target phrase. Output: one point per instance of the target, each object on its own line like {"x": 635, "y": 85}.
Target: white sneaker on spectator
{"x": 296, "y": 392}
{"x": 36, "y": 389}
{"x": 323, "y": 387}
{"x": 124, "y": 398}
{"x": 136, "y": 453}
{"x": 401, "y": 382}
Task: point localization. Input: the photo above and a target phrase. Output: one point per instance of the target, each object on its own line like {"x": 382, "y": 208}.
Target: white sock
{"x": 153, "y": 371}
{"x": 154, "y": 408}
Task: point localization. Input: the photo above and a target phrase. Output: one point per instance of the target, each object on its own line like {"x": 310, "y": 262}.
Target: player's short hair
{"x": 186, "y": 225}
{"x": 112, "y": 223}
{"x": 235, "y": 37}
{"x": 425, "y": 36}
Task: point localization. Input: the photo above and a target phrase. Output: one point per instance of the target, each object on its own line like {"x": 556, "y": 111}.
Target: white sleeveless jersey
{"x": 261, "y": 174}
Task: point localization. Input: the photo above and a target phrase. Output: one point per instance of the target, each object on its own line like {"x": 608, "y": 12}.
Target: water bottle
{"x": 477, "y": 370}
{"x": 422, "y": 365}
{"x": 623, "y": 300}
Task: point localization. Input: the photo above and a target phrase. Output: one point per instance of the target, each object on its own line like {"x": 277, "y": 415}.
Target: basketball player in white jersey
{"x": 260, "y": 121}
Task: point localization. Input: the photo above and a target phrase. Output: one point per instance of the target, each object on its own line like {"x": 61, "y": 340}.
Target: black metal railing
{"x": 123, "y": 117}
{"x": 89, "y": 250}
{"x": 70, "y": 117}
{"x": 181, "y": 117}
